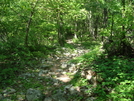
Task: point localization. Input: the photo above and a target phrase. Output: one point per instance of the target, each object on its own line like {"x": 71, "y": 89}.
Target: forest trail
{"x": 59, "y": 62}
{"x": 52, "y": 75}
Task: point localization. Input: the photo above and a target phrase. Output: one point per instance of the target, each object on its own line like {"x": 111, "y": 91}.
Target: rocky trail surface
{"x": 50, "y": 79}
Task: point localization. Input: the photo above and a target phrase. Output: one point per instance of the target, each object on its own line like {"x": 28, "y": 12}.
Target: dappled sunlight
{"x": 66, "y": 50}
{"x": 64, "y": 78}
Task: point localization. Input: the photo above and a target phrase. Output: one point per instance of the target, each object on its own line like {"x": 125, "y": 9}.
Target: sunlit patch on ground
{"x": 64, "y": 78}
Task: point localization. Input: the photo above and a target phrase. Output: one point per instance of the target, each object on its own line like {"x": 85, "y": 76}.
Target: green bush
{"x": 13, "y": 59}
{"x": 117, "y": 74}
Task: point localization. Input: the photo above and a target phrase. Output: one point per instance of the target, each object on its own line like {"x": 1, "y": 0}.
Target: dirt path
{"x": 59, "y": 62}
{"x": 52, "y": 76}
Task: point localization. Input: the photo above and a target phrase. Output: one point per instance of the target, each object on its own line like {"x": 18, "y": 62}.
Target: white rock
{"x": 64, "y": 65}
{"x": 56, "y": 84}
{"x": 67, "y": 54}
{"x": 64, "y": 72}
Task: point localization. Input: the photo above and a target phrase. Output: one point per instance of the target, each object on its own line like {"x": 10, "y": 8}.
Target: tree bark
{"x": 28, "y": 24}
{"x": 105, "y": 19}
{"x": 61, "y": 35}
{"x": 96, "y": 27}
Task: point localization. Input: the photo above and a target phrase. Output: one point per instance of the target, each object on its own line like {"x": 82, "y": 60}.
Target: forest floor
{"x": 69, "y": 74}
{"x": 51, "y": 76}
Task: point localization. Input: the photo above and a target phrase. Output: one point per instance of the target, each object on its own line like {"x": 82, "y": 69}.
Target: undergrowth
{"x": 117, "y": 74}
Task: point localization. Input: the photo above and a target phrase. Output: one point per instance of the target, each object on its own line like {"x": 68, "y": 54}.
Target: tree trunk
{"x": 112, "y": 25}
{"x": 123, "y": 36}
{"x": 96, "y": 27}
{"x": 76, "y": 30}
{"x": 28, "y": 24}
{"x": 28, "y": 28}
{"x": 126, "y": 48}
{"x": 105, "y": 19}
{"x": 61, "y": 35}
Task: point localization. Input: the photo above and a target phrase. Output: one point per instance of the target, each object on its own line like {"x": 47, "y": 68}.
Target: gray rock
{"x": 91, "y": 99}
{"x": 72, "y": 68}
{"x": 71, "y": 90}
{"x": 74, "y": 55}
{"x": 48, "y": 99}
{"x": 43, "y": 60}
{"x": 67, "y": 54}
{"x": 68, "y": 87}
{"x": 86, "y": 91}
{"x": 1, "y": 97}
{"x": 9, "y": 91}
{"x": 6, "y": 99}
{"x": 64, "y": 65}
{"x": 44, "y": 66}
{"x": 59, "y": 70}
{"x": 26, "y": 75}
{"x": 58, "y": 97}
{"x": 33, "y": 95}
{"x": 41, "y": 72}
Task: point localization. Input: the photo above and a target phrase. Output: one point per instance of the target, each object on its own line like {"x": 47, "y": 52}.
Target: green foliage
{"x": 117, "y": 74}
{"x": 88, "y": 57}
{"x": 13, "y": 59}
{"x": 47, "y": 23}
{"x": 69, "y": 46}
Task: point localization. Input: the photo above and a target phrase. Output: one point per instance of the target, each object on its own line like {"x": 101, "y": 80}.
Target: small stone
{"x": 44, "y": 66}
{"x": 67, "y": 54}
{"x": 73, "y": 55}
{"x": 56, "y": 84}
{"x": 74, "y": 72}
{"x": 72, "y": 65}
{"x": 6, "y": 99}
{"x": 59, "y": 70}
{"x": 25, "y": 75}
{"x": 42, "y": 72}
{"x": 76, "y": 51}
{"x": 48, "y": 99}
{"x": 64, "y": 65}
{"x": 9, "y": 91}
{"x": 64, "y": 78}
{"x": 43, "y": 61}
{"x": 21, "y": 97}
{"x": 79, "y": 64}
{"x": 33, "y": 95}
{"x": 73, "y": 90}
{"x": 1, "y": 97}
{"x": 64, "y": 72}
{"x": 91, "y": 99}
{"x": 57, "y": 58}
{"x": 58, "y": 97}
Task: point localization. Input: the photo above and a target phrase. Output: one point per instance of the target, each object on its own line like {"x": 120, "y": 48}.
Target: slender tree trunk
{"x": 105, "y": 19}
{"x": 76, "y": 30}
{"x": 28, "y": 28}
{"x": 126, "y": 48}
{"x": 29, "y": 23}
{"x": 61, "y": 35}
{"x": 112, "y": 25}
{"x": 96, "y": 27}
{"x": 123, "y": 36}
